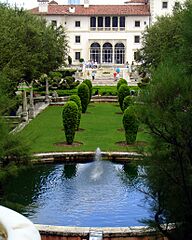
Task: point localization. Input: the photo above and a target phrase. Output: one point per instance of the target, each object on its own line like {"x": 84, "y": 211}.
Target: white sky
{"x": 33, "y": 3}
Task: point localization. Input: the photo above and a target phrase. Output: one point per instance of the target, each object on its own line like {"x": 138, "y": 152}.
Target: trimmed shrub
{"x": 120, "y": 82}
{"x": 122, "y": 93}
{"x": 89, "y": 84}
{"x": 128, "y": 101}
{"x": 130, "y": 124}
{"x": 83, "y": 93}
{"x": 77, "y": 100}
{"x": 70, "y": 113}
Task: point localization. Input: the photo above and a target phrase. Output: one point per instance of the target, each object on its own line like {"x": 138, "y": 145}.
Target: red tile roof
{"x": 93, "y": 10}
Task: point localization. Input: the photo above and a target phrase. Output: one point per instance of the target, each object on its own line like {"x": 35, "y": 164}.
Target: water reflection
{"x": 70, "y": 170}
{"x": 93, "y": 194}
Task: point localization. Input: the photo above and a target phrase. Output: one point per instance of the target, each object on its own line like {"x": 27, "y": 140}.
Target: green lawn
{"x": 100, "y": 126}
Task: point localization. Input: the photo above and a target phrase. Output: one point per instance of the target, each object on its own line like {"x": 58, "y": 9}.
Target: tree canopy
{"x": 166, "y": 110}
{"x": 28, "y": 46}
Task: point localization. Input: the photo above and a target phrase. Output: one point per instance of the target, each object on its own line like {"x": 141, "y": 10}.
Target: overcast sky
{"x": 33, "y": 3}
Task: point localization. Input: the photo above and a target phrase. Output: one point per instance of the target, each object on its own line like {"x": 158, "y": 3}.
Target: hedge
{"x": 70, "y": 113}
{"x": 128, "y": 101}
{"x": 124, "y": 91}
{"x": 83, "y": 93}
{"x": 130, "y": 124}
{"x": 120, "y": 82}
{"x": 89, "y": 84}
{"x": 77, "y": 100}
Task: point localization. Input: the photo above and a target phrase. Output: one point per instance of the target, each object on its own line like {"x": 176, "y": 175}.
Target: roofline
{"x": 88, "y": 15}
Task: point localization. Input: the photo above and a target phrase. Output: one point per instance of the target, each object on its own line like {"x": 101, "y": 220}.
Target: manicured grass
{"x": 100, "y": 127}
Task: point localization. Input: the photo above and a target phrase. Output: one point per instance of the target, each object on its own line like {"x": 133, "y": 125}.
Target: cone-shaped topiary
{"x": 128, "y": 101}
{"x": 130, "y": 124}
{"x": 89, "y": 84}
{"x": 120, "y": 82}
{"x": 70, "y": 113}
{"x": 83, "y": 93}
{"x": 77, "y": 100}
{"x": 122, "y": 93}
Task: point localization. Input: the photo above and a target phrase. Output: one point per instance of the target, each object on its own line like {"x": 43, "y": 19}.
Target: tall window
{"x": 107, "y": 23}
{"x": 93, "y": 23}
{"x": 77, "y": 23}
{"x": 122, "y": 23}
{"x": 77, "y": 39}
{"x": 100, "y": 23}
{"x": 115, "y": 23}
{"x": 107, "y": 53}
{"x": 77, "y": 55}
{"x": 95, "y": 52}
{"x": 119, "y": 53}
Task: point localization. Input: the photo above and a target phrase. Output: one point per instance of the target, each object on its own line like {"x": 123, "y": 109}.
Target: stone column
{"x": 31, "y": 103}
{"x": 47, "y": 91}
{"x": 24, "y": 112}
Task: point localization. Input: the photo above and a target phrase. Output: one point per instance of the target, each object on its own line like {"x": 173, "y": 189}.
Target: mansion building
{"x": 106, "y": 34}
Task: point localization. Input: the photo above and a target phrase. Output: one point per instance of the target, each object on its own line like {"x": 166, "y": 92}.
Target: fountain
{"x": 97, "y": 169}
{"x": 93, "y": 194}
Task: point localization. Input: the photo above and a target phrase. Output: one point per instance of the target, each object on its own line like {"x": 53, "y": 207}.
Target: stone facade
{"x": 105, "y": 34}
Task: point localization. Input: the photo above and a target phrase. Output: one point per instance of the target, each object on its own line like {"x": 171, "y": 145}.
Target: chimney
{"x": 43, "y": 6}
{"x": 72, "y": 9}
{"x": 86, "y": 3}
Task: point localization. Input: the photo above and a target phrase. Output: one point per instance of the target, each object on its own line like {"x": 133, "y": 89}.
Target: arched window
{"x": 119, "y": 53}
{"x": 95, "y": 52}
{"x": 107, "y": 53}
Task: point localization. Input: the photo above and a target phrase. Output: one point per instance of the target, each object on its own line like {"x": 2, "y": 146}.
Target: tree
{"x": 120, "y": 82}
{"x": 122, "y": 93}
{"x": 70, "y": 114}
{"x": 166, "y": 110}
{"x": 130, "y": 124}
{"x": 77, "y": 100}
{"x": 83, "y": 93}
{"x": 128, "y": 101}
{"x": 25, "y": 44}
{"x": 89, "y": 84}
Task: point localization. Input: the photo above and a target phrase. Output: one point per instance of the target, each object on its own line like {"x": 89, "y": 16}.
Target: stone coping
{"x": 53, "y": 157}
{"x": 71, "y": 231}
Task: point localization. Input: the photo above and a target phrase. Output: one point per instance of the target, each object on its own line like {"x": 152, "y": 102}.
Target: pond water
{"x": 95, "y": 194}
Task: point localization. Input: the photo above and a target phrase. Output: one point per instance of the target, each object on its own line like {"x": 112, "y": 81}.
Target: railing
{"x": 114, "y": 29}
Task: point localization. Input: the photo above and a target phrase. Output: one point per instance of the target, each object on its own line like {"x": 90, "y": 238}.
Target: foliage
{"x": 25, "y": 44}
{"x": 169, "y": 37}
{"x": 69, "y": 60}
{"x": 81, "y": 60}
{"x": 130, "y": 124}
{"x": 70, "y": 113}
{"x": 55, "y": 79}
{"x": 167, "y": 111}
{"x": 128, "y": 101}
{"x": 77, "y": 100}
{"x": 120, "y": 82}
{"x": 123, "y": 91}
{"x": 12, "y": 148}
{"x": 89, "y": 84}
{"x": 70, "y": 83}
{"x": 83, "y": 93}
{"x": 67, "y": 72}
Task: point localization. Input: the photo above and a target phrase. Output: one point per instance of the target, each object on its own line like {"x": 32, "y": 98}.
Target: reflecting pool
{"x": 95, "y": 194}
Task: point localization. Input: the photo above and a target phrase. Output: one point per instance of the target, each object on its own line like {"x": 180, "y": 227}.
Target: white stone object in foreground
{"x": 14, "y": 226}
